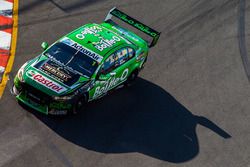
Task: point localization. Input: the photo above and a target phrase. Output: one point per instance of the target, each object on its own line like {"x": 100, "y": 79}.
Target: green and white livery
{"x": 84, "y": 65}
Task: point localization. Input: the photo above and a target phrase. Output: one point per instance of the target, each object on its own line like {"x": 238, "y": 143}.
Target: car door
{"x": 103, "y": 78}
{"x": 114, "y": 71}
{"x": 123, "y": 64}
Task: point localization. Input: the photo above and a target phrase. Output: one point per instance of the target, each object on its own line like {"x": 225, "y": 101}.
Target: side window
{"x": 117, "y": 59}
{"x": 130, "y": 53}
{"x": 108, "y": 64}
{"x": 123, "y": 55}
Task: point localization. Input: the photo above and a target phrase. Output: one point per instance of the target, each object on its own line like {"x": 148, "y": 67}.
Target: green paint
{"x": 111, "y": 44}
{"x": 41, "y": 108}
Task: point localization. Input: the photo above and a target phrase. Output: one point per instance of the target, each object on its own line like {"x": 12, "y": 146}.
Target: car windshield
{"x": 73, "y": 58}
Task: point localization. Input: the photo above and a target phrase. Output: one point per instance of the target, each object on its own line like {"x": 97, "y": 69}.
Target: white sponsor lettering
{"x": 45, "y": 82}
{"x": 88, "y": 30}
{"x": 82, "y": 49}
{"x": 105, "y": 43}
{"x": 55, "y": 71}
{"x": 87, "y": 52}
{"x": 127, "y": 34}
{"x": 62, "y": 64}
{"x": 110, "y": 83}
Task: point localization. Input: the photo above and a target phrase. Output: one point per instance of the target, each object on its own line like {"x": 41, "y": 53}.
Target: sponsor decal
{"x": 58, "y": 112}
{"x": 45, "y": 81}
{"x": 110, "y": 83}
{"x": 60, "y": 105}
{"x": 105, "y": 43}
{"x": 82, "y": 49}
{"x": 87, "y": 52}
{"x": 125, "y": 33}
{"x": 60, "y": 72}
{"x": 134, "y": 23}
{"x": 56, "y": 72}
{"x": 89, "y": 30}
{"x": 62, "y": 64}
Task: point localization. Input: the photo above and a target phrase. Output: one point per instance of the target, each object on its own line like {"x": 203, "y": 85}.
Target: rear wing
{"x": 134, "y": 23}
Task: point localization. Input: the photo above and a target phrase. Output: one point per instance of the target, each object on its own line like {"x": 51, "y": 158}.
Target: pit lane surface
{"x": 190, "y": 106}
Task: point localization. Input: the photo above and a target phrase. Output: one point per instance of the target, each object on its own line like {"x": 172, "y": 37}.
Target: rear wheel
{"x": 143, "y": 65}
{"x": 132, "y": 78}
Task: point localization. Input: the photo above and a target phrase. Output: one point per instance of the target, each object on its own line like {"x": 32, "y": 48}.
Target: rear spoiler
{"x": 135, "y": 23}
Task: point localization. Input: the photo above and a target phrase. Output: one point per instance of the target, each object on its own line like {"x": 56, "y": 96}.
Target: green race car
{"x": 84, "y": 65}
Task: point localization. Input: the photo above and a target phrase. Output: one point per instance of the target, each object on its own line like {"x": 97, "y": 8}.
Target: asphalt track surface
{"x": 189, "y": 108}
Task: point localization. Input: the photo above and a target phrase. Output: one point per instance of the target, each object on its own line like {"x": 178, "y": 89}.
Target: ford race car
{"x": 84, "y": 65}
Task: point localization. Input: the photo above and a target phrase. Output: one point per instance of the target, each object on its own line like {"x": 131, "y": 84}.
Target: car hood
{"x": 52, "y": 77}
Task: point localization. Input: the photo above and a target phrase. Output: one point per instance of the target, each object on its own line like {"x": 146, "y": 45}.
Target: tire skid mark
{"x": 242, "y": 37}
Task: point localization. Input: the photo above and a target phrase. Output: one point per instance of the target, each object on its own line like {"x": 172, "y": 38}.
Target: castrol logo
{"x": 45, "y": 81}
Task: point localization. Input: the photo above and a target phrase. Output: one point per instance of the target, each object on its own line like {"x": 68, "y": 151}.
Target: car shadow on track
{"x": 143, "y": 118}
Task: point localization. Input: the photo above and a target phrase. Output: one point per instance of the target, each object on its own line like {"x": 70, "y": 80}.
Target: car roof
{"x": 97, "y": 38}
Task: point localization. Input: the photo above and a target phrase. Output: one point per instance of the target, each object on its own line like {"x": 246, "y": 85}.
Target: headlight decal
{"x": 21, "y": 72}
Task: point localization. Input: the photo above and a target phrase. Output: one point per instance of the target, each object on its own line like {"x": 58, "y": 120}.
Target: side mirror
{"x": 44, "y": 45}
{"x": 103, "y": 77}
{"x": 112, "y": 74}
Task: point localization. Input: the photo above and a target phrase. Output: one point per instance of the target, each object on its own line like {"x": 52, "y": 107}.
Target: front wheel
{"x": 79, "y": 105}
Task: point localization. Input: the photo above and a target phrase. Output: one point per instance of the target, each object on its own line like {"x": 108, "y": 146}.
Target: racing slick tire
{"x": 132, "y": 78}
{"x": 79, "y": 105}
{"x": 143, "y": 64}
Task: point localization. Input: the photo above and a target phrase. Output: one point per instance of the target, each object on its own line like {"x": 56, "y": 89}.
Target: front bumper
{"x": 36, "y": 106}
{"x": 40, "y": 102}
